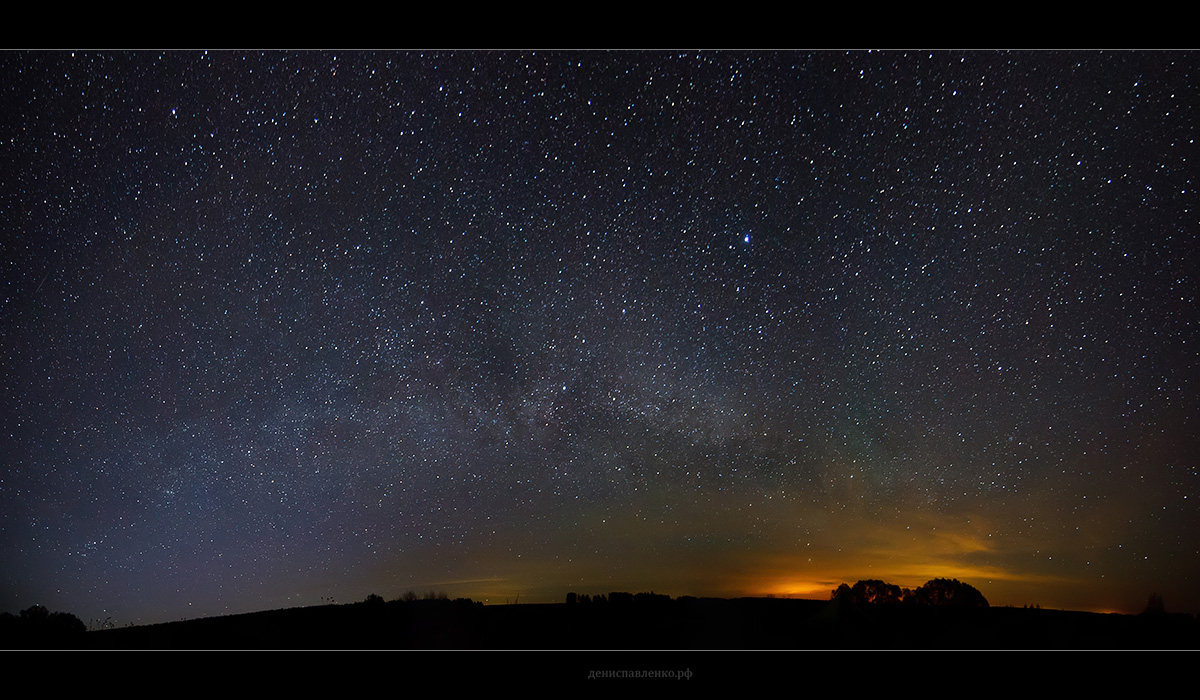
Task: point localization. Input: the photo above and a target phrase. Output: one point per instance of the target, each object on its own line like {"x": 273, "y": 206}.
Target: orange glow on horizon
{"x": 795, "y": 589}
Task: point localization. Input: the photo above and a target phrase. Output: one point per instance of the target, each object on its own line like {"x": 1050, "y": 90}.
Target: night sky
{"x": 280, "y": 328}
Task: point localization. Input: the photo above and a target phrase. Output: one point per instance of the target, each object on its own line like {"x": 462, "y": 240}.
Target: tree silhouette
{"x": 870, "y": 591}
{"x": 875, "y": 591}
{"x": 37, "y": 627}
{"x": 942, "y": 591}
{"x": 939, "y": 591}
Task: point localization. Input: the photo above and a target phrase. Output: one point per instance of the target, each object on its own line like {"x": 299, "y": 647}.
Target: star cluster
{"x": 288, "y": 326}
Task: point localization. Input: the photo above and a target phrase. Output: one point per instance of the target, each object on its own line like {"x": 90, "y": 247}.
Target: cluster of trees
{"x": 411, "y": 597}
{"x": 618, "y": 597}
{"x": 938, "y": 591}
{"x": 37, "y": 627}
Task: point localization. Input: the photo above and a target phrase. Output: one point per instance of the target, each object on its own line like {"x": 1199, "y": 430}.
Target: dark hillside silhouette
{"x": 871, "y": 614}
{"x": 867, "y": 618}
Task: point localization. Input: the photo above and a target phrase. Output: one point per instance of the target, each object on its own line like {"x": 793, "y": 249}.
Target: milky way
{"x": 284, "y": 327}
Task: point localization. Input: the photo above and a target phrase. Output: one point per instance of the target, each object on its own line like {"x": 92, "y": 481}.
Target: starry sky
{"x": 289, "y": 327}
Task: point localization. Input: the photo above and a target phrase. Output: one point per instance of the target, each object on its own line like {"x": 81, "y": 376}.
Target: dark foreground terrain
{"x": 656, "y": 624}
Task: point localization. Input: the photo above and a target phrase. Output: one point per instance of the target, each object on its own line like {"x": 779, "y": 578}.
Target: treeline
{"x": 938, "y": 591}
{"x": 38, "y": 628}
{"x": 617, "y": 598}
{"x": 412, "y": 597}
